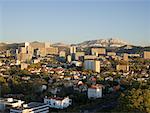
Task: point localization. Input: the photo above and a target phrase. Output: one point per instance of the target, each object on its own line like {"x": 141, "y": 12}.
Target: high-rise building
{"x": 146, "y": 54}
{"x": 16, "y": 51}
{"x": 41, "y": 46}
{"x": 24, "y": 52}
{"x": 96, "y": 50}
{"x": 125, "y": 57}
{"x": 92, "y": 65}
{"x": 25, "y": 48}
{"x": 23, "y": 57}
{"x": 78, "y": 55}
{"x": 7, "y": 53}
{"x": 72, "y": 49}
{"x": 37, "y": 52}
{"x": 52, "y": 50}
{"x": 62, "y": 54}
{"x": 69, "y": 58}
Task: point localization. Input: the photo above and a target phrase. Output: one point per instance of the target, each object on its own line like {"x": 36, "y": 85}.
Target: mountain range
{"x": 112, "y": 42}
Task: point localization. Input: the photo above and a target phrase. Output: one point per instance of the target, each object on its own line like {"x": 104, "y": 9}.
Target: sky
{"x": 74, "y": 21}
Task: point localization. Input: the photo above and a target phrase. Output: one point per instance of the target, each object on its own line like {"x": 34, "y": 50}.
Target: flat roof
{"x": 5, "y": 100}
{"x": 30, "y": 106}
{"x": 35, "y": 104}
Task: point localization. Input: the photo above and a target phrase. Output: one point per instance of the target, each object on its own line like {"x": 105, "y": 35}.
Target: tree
{"x": 135, "y": 100}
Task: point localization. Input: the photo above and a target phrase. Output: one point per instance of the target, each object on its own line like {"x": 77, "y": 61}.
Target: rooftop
{"x": 30, "y": 105}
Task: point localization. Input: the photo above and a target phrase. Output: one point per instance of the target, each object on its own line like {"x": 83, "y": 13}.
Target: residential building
{"x": 33, "y": 107}
{"x": 57, "y": 102}
{"x": 78, "y": 55}
{"x": 123, "y": 67}
{"x": 69, "y": 58}
{"x": 146, "y": 54}
{"x": 111, "y": 54}
{"x": 77, "y": 63}
{"x": 99, "y": 51}
{"x": 22, "y": 50}
{"x": 42, "y": 51}
{"x": 16, "y": 51}
{"x": 125, "y": 57}
{"x": 25, "y": 48}
{"x": 72, "y": 49}
{"x": 134, "y": 55}
{"x": 92, "y": 65}
{"x": 18, "y": 62}
{"x": 86, "y": 57}
{"x": 24, "y": 66}
{"x": 7, "y": 53}
{"x": 36, "y": 53}
{"x": 23, "y": 57}
{"x": 52, "y": 51}
{"x": 95, "y": 91}
{"x": 44, "y": 48}
{"x": 62, "y": 54}
{"x": 36, "y": 61}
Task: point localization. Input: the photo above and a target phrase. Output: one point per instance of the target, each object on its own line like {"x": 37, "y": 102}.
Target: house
{"x": 109, "y": 78}
{"x": 57, "y": 102}
{"x": 82, "y": 87}
{"x": 32, "y": 107}
{"x": 35, "y": 61}
{"x": 95, "y": 91}
{"x": 25, "y": 78}
{"x": 56, "y": 70}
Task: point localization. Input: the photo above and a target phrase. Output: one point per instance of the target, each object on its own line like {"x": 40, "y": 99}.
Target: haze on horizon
{"x": 75, "y": 21}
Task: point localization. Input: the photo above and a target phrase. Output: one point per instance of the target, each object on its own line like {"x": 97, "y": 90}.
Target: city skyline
{"x": 75, "y": 21}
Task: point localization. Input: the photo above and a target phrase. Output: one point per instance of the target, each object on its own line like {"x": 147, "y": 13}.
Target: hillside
{"x": 103, "y": 43}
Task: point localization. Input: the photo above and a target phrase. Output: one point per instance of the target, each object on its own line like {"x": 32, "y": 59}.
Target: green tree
{"x": 135, "y": 100}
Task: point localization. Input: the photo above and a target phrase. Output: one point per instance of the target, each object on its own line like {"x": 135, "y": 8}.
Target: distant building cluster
{"x": 62, "y": 72}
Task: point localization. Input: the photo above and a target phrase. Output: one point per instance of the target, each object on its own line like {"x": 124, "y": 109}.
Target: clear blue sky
{"x": 75, "y": 20}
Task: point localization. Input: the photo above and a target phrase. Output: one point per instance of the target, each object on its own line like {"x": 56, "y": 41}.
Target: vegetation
{"x": 135, "y": 99}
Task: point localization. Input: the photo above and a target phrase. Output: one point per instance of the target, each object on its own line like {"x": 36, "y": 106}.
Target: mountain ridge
{"x": 112, "y": 42}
